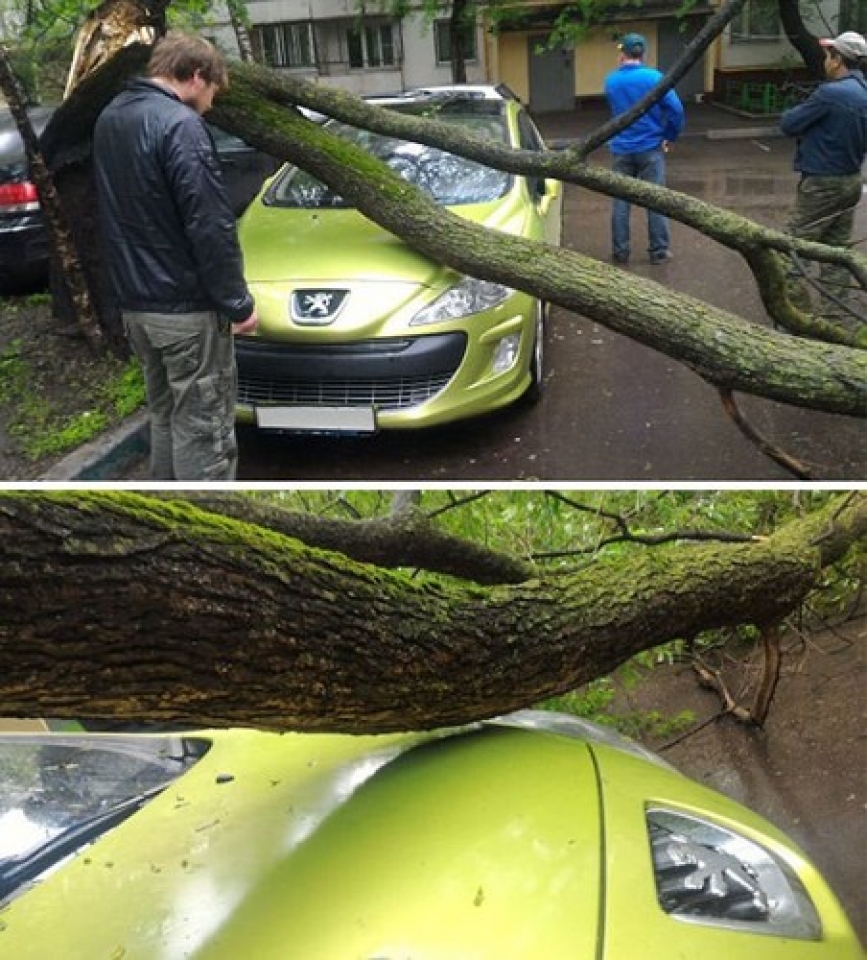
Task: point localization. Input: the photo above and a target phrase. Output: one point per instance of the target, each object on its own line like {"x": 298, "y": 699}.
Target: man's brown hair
{"x": 177, "y": 56}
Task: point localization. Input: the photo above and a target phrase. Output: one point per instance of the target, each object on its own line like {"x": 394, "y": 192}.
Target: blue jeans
{"x": 649, "y": 166}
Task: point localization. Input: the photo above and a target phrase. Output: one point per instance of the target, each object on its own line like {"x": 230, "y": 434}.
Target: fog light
{"x": 506, "y": 353}
{"x": 710, "y": 875}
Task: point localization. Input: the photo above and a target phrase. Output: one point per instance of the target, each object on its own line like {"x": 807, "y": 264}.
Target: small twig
{"x": 713, "y": 679}
{"x": 771, "y": 663}
{"x": 458, "y": 502}
{"x": 692, "y": 732}
{"x": 779, "y": 456}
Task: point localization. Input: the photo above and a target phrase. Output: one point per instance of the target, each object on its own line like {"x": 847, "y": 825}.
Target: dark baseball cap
{"x": 632, "y": 44}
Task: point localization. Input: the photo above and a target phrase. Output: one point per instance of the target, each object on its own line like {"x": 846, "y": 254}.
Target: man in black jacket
{"x": 173, "y": 255}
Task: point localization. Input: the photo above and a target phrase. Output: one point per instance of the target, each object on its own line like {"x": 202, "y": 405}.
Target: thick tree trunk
{"x": 80, "y": 307}
{"x": 65, "y": 143}
{"x": 801, "y": 38}
{"x": 724, "y": 349}
{"x": 721, "y": 347}
{"x": 457, "y": 27}
{"x": 125, "y": 605}
{"x": 240, "y": 25}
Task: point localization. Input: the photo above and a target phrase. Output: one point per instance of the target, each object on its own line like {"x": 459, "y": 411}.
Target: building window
{"x": 443, "y": 41}
{"x": 285, "y": 44}
{"x": 371, "y": 45}
{"x": 758, "y": 20}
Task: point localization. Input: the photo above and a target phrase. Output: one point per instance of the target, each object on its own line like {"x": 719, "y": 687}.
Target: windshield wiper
{"x": 15, "y": 871}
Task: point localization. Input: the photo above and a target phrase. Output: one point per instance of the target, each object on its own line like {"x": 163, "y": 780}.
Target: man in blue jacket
{"x": 831, "y": 127}
{"x": 639, "y": 150}
{"x": 173, "y": 257}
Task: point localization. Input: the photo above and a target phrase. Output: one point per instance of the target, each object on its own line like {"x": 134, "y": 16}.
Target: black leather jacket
{"x": 168, "y": 231}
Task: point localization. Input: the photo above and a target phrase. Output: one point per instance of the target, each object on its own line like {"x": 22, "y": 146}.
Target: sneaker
{"x": 662, "y": 257}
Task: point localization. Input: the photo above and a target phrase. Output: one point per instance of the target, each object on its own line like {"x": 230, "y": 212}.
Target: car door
{"x": 547, "y": 194}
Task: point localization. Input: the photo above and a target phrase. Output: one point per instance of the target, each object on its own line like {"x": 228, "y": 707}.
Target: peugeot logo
{"x": 316, "y": 307}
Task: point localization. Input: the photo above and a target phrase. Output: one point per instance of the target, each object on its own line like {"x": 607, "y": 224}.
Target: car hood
{"x": 288, "y": 245}
{"x": 484, "y": 843}
{"x": 327, "y": 847}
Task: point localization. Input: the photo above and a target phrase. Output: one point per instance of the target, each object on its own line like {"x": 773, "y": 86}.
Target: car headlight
{"x": 469, "y": 296}
{"x": 710, "y": 875}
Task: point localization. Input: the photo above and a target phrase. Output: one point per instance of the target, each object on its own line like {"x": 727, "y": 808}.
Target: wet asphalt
{"x": 613, "y": 410}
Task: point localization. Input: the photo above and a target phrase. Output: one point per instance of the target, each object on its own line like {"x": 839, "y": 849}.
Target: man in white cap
{"x": 831, "y": 127}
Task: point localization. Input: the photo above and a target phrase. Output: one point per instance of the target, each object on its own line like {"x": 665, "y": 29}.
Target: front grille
{"x": 389, "y": 393}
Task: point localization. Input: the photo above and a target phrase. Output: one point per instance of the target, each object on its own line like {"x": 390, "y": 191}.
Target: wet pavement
{"x": 613, "y": 410}
{"x": 804, "y": 770}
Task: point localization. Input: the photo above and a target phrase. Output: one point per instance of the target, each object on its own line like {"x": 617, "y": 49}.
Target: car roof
{"x": 474, "y": 91}
{"x": 446, "y": 102}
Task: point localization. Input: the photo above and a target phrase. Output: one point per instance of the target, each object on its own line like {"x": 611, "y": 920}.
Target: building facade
{"x": 368, "y": 53}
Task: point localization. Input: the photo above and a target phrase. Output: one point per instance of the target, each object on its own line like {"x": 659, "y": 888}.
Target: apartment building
{"x": 370, "y": 53}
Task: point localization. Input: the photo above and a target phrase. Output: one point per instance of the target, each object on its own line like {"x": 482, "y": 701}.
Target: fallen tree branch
{"x": 119, "y": 604}
{"x": 785, "y": 460}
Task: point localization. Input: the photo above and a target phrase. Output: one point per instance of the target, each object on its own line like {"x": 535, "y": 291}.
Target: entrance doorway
{"x": 552, "y": 77}
{"x": 670, "y": 42}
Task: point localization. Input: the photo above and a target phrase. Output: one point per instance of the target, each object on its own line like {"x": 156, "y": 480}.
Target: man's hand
{"x": 248, "y": 325}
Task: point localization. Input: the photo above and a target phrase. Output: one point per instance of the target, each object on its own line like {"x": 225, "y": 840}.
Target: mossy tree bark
{"x": 726, "y": 350}
{"x": 128, "y": 605}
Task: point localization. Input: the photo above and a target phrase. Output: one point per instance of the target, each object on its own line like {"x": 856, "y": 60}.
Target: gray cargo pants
{"x": 824, "y": 211}
{"x": 192, "y": 387}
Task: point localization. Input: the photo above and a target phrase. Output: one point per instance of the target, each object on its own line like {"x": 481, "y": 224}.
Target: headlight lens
{"x": 707, "y": 874}
{"x": 469, "y": 296}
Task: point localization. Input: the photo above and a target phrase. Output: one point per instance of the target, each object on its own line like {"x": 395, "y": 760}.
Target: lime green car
{"x": 532, "y": 836}
{"x": 357, "y": 331}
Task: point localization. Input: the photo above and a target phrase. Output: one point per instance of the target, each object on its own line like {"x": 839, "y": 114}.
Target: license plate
{"x": 317, "y": 419}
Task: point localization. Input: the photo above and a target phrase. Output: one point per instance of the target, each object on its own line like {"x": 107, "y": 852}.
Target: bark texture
{"x": 128, "y": 605}
{"x": 726, "y": 350}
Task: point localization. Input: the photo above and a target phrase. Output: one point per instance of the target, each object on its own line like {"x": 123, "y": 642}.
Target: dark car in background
{"x": 23, "y": 240}
{"x": 24, "y": 251}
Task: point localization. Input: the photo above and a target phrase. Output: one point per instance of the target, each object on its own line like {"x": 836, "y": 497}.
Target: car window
{"x": 227, "y": 142}
{"x": 531, "y": 139}
{"x": 60, "y": 793}
{"x": 449, "y": 180}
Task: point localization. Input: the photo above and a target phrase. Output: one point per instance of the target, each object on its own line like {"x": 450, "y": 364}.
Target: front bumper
{"x": 408, "y": 381}
{"x": 389, "y": 374}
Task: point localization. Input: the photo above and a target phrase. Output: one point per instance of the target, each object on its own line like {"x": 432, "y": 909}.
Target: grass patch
{"x": 594, "y": 702}
{"x": 37, "y": 400}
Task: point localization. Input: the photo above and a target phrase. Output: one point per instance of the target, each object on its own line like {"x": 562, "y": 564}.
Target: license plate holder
{"x": 298, "y": 419}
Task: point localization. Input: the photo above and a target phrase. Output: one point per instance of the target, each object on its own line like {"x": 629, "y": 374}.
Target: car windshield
{"x": 449, "y": 180}
{"x": 57, "y": 794}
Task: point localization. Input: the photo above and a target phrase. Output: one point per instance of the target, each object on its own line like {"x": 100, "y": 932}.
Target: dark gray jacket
{"x": 831, "y": 127}
{"x": 169, "y": 233}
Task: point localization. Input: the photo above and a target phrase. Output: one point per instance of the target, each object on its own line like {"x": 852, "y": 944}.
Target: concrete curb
{"x": 106, "y": 457}
{"x": 721, "y": 133}
{"x": 743, "y": 133}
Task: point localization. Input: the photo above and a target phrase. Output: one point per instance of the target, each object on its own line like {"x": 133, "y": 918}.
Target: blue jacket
{"x": 169, "y": 232}
{"x": 831, "y": 127}
{"x": 624, "y": 87}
